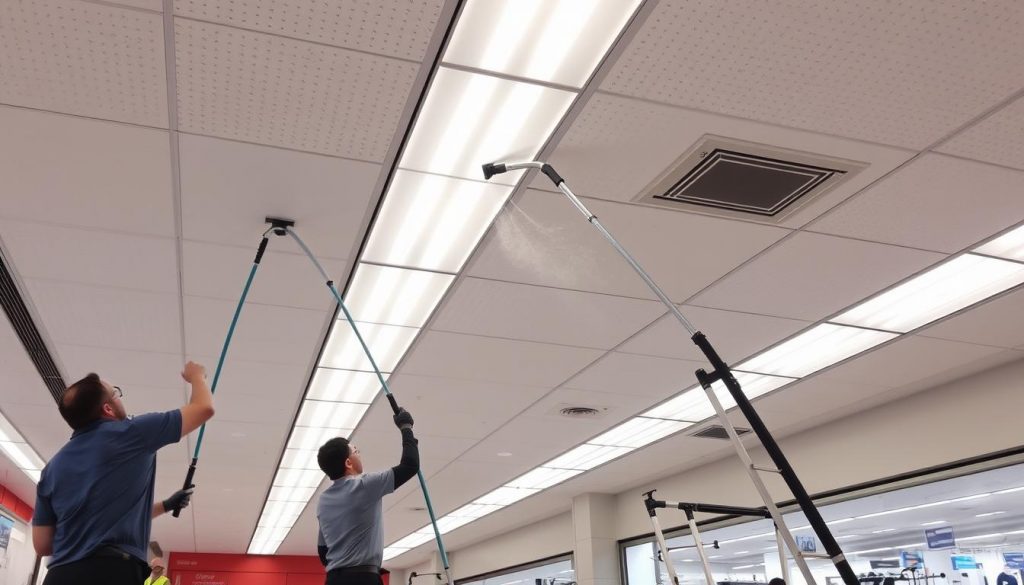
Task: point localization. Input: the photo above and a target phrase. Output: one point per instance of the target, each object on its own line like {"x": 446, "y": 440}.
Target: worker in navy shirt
{"x": 351, "y": 539}
{"x": 94, "y": 501}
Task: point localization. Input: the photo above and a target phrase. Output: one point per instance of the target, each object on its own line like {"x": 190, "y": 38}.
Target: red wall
{"x": 228, "y": 569}
{"x": 14, "y": 504}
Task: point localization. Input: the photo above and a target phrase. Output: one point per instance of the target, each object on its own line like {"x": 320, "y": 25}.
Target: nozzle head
{"x": 491, "y": 169}
{"x": 279, "y": 225}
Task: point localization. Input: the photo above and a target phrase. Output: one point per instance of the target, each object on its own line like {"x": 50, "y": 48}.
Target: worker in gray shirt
{"x": 351, "y": 539}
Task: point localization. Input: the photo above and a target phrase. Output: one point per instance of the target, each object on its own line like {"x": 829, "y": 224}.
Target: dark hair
{"x": 331, "y": 457}
{"x": 82, "y": 402}
{"x": 777, "y": 581}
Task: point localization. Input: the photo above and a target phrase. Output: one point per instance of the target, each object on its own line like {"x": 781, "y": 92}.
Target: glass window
{"x": 557, "y": 571}
{"x": 966, "y": 530}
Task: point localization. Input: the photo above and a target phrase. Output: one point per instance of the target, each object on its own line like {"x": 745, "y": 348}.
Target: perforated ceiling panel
{"x": 83, "y": 58}
{"x": 271, "y": 90}
{"x": 862, "y": 69}
{"x": 998, "y": 139}
{"x": 396, "y": 28}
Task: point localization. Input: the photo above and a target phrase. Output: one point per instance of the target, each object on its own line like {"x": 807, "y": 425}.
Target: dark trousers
{"x": 98, "y": 571}
{"x": 352, "y": 578}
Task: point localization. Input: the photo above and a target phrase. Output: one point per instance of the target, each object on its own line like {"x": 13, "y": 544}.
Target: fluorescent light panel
{"x": 639, "y": 431}
{"x": 344, "y": 386}
{"x": 543, "y": 477}
{"x": 586, "y": 457}
{"x": 387, "y": 343}
{"x": 336, "y": 415}
{"x": 933, "y": 294}
{"x": 395, "y": 296}
{"x": 469, "y": 119}
{"x": 1009, "y": 245}
{"x": 17, "y": 449}
{"x": 557, "y": 41}
{"x": 311, "y": 438}
{"x": 814, "y": 349}
{"x": 433, "y": 222}
{"x": 693, "y": 404}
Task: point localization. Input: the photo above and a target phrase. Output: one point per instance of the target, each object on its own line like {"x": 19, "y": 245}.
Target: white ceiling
{"x": 132, "y": 254}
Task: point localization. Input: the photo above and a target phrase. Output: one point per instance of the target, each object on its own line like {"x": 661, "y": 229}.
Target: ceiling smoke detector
{"x": 735, "y": 178}
{"x": 580, "y": 411}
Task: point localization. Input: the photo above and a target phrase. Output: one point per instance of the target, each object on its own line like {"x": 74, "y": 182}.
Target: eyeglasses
{"x": 117, "y": 393}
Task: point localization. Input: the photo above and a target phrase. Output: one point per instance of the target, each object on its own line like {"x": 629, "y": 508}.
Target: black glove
{"x": 403, "y": 419}
{"x": 179, "y": 500}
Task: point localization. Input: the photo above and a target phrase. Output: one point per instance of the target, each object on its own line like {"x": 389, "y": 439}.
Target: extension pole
{"x": 383, "y": 385}
{"x": 723, "y": 373}
{"x": 220, "y": 362}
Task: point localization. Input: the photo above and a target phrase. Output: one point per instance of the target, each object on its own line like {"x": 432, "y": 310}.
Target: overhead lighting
{"x": 299, "y": 459}
{"x": 639, "y": 431}
{"x": 17, "y": 449}
{"x": 387, "y": 343}
{"x": 883, "y": 530}
{"x": 543, "y": 477}
{"x": 290, "y": 494}
{"x": 470, "y": 117}
{"x": 391, "y": 552}
{"x": 940, "y": 291}
{"x": 848, "y": 536}
{"x": 987, "y": 514}
{"x": 557, "y": 41}
{"x": 1009, "y": 245}
{"x": 814, "y": 349}
{"x": 586, "y": 457}
{"x": 413, "y": 540}
{"x": 475, "y": 510}
{"x": 313, "y": 437}
{"x": 693, "y": 404}
{"x": 933, "y": 523}
{"x": 504, "y": 496}
{"x": 322, "y": 414}
{"x": 433, "y": 222}
{"x": 742, "y": 552}
{"x": 395, "y": 296}
{"x": 445, "y": 525}
{"x": 298, "y": 478}
{"x": 343, "y": 386}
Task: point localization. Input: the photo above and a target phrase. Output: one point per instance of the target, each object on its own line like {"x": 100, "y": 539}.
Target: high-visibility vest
{"x": 161, "y": 580}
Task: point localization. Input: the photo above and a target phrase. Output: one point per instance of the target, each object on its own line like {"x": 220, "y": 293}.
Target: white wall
{"x": 958, "y": 420}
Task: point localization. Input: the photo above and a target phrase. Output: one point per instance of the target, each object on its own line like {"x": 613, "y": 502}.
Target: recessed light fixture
{"x": 883, "y": 530}
{"x": 987, "y": 514}
{"x": 933, "y": 523}
{"x": 504, "y": 454}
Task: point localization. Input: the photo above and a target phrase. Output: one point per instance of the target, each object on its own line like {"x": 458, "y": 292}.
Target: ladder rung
{"x": 814, "y": 556}
{"x": 767, "y": 469}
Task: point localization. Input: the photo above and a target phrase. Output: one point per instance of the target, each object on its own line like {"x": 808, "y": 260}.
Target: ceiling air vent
{"x": 718, "y": 432}
{"x": 22, "y": 323}
{"x": 744, "y": 179}
{"x": 580, "y": 412}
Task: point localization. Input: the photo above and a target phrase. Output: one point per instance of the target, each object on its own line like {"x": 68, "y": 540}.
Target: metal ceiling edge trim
{"x": 451, "y": 11}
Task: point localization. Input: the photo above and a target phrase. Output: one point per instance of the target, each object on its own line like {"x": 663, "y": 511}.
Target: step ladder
{"x": 690, "y": 509}
{"x": 720, "y": 372}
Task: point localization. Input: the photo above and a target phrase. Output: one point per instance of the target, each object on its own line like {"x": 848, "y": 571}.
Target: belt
{"x": 110, "y": 551}
{"x": 357, "y": 569}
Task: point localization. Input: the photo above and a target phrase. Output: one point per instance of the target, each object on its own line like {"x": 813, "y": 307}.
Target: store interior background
{"x": 129, "y": 218}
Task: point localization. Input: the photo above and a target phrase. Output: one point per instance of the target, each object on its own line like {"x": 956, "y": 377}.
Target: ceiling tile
{"x": 228, "y": 188}
{"x": 734, "y": 335}
{"x": 112, "y": 176}
{"x": 155, "y": 5}
{"x": 49, "y": 252}
{"x": 471, "y": 357}
{"x": 394, "y": 28}
{"x": 534, "y": 313}
{"x": 125, "y": 367}
{"x": 908, "y": 360}
{"x": 271, "y": 90}
{"x": 113, "y": 318}
{"x": 624, "y": 373}
{"x": 542, "y": 239}
{"x": 265, "y": 333}
{"x": 460, "y": 408}
{"x": 811, "y": 396}
{"x": 811, "y": 276}
{"x": 288, "y": 280}
{"x": 935, "y": 203}
{"x": 614, "y": 133}
{"x": 84, "y": 58}
{"x": 612, "y": 407}
{"x": 861, "y": 70}
{"x": 999, "y": 322}
{"x": 997, "y": 139}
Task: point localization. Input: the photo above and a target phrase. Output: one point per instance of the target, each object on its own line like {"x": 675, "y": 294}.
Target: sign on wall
{"x": 1014, "y": 560}
{"x": 961, "y": 562}
{"x": 912, "y": 559}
